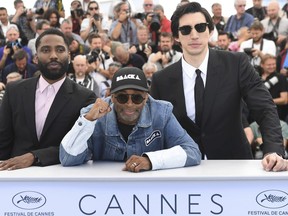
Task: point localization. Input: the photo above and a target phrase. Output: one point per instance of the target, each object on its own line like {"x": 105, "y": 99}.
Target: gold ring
{"x": 134, "y": 164}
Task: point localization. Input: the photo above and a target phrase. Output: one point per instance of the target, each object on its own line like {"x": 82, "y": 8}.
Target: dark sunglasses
{"x": 186, "y": 29}
{"x": 146, "y": 5}
{"x": 91, "y": 8}
{"x": 123, "y": 98}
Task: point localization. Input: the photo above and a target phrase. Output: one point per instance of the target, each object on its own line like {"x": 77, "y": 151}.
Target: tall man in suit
{"x": 227, "y": 79}
{"x": 36, "y": 113}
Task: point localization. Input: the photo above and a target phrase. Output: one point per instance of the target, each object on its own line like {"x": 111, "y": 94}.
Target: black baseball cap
{"x": 129, "y": 78}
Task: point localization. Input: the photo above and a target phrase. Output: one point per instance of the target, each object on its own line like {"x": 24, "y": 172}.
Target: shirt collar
{"x": 43, "y": 84}
{"x": 187, "y": 68}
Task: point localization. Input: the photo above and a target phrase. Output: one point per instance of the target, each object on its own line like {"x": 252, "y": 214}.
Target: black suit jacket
{"x": 17, "y": 119}
{"x": 230, "y": 78}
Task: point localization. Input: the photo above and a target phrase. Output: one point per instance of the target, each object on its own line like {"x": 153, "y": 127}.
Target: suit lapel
{"x": 29, "y": 106}
{"x": 212, "y": 83}
{"x": 177, "y": 89}
{"x": 62, "y": 97}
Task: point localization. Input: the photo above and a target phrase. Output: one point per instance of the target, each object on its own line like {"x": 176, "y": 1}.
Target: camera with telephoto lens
{"x": 271, "y": 82}
{"x": 97, "y": 17}
{"x": 93, "y": 56}
{"x": 248, "y": 51}
{"x": 39, "y": 11}
{"x": 140, "y": 16}
{"x": 77, "y": 12}
{"x": 155, "y": 22}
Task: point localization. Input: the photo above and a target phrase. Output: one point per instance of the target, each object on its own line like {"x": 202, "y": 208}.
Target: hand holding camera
{"x": 123, "y": 16}
{"x": 250, "y": 52}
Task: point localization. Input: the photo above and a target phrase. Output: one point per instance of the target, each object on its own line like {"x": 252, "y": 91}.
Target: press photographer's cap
{"x": 129, "y": 78}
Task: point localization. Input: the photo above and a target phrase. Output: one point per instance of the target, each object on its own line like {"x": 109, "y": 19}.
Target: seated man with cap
{"x": 129, "y": 126}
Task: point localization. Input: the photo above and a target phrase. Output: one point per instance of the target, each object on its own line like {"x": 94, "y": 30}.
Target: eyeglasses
{"x": 93, "y": 8}
{"x": 186, "y": 29}
{"x": 123, "y": 98}
{"x": 148, "y": 5}
{"x": 241, "y": 5}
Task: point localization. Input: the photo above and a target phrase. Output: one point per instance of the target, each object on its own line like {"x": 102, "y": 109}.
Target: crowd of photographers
{"x": 100, "y": 45}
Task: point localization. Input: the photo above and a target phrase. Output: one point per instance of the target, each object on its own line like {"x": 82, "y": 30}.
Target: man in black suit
{"x": 227, "y": 79}
{"x": 36, "y": 113}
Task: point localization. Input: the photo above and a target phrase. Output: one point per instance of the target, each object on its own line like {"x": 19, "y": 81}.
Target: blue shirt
{"x": 128, "y": 32}
{"x": 233, "y": 24}
{"x": 156, "y": 134}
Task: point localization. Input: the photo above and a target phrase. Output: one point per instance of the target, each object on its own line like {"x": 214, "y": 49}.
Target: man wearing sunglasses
{"x": 207, "y": 87}
{"x": 130, "y": 126}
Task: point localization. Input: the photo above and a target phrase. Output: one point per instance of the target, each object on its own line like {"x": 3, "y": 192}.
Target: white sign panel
{"x": 229, "y": 198}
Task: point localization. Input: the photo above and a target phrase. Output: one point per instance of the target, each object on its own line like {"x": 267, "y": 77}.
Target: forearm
{"x": 117, "y": 31}
{"x": 15, "y": 19}
{"x": 280, "y": 101}
{"x": 75, "y": 141}
{"x": 84, "y": 34}
{"x": 162, "y": 159}
{"x": 2, "y": 62}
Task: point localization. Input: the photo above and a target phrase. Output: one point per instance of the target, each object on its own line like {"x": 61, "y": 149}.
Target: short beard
{"x": 53, "y": 74}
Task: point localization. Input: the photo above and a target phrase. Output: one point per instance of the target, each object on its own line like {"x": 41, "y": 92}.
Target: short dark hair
{"x": 92, "y": 36}
{"x": 20, "y": 54}
{"x": 166, "y": 35}
{"x": 224, "y": 33}
{"x": 41, "y": 23}
{"x": 50, "y": 31}
{"x": 192, "y": 7}
{"x": 17, "y": 2}
{"x": 3, "y": 8}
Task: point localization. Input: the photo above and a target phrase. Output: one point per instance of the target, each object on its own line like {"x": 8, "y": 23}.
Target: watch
{"x": 36, "y": 160}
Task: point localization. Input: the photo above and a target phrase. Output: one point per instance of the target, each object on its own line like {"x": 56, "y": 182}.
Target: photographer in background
{"x": 24, "y": 18}
{"x": 257, "y": 11}
{"x": 94, "y": 21}
{"x": 20, "y": 65}
{"x": 122, "y": 55}
{"x": 274, "y": 24}
{"x": 66, "y": 28}
{"x": 81, "y": 75}
{"x": 75, "y": 48}
{"x": 4, "y": 23}
{"x": 52, "y": 4}
{"x": 149, "y": 69}
{"x": 148, "y": 6}
{"x": 77, "y": 16}
{"x": 124, "y": 28}
{"x": 276, "y": 84}
{"x": 223, "y": 41}
{"x": 166, "y": 56}
{"x": 102, "y": 56}
{"x": 13, "y": 44}
{"x": 165, "y": 24}
{"x": 257, "y": 46}
{"x": 143, "y": 48}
